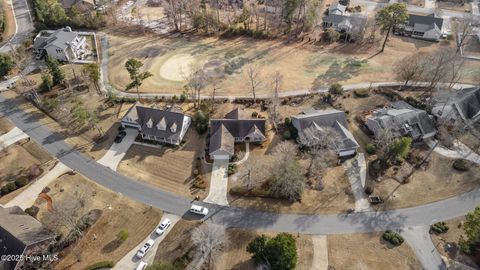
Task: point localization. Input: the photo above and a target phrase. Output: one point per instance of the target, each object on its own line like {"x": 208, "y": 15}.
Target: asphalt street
{"x": 235, "y": 217}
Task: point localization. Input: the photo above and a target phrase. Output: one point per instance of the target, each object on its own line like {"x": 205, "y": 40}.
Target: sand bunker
{"x": 177, "y": 67}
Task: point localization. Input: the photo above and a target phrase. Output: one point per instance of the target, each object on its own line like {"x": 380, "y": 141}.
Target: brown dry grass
{"x": 454, "y": 6}
{"x": 16, "y": 162}
{"x": 439, "y": 181}
{"x": 301, "y": 64}
{"x": 5, "y": 125}
{"x": 335, "y": 197}
{"x": 368, "y": 251}
{"x": 167, "y": 168}
{"x": 177, "y": 243}
{"x": 9, "y": 22}
{"x": 451, "y": 238}
{"x": 118, "y": 214}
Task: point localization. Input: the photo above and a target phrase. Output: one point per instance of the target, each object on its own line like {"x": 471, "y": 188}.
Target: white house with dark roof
{"x": 311, "y": 121}
{"x": 236, "y": 127}
{"x": 62, "y": 44}
{"x": 167, "y": 125}
{"x": 427, "y": 27}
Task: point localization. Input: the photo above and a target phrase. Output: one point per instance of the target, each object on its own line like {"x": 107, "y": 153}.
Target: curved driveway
{"x": 235, "y": 217}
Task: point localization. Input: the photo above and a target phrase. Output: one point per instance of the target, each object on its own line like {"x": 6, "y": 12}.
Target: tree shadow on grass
{"x": 339, "y": 72}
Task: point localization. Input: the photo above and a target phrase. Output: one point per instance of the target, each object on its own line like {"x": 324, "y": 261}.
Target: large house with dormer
{"x": 236, "y": 127}
{"x": 167, "y": 125}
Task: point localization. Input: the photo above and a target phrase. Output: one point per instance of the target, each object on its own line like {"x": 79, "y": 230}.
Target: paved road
{"x": 24, "y": 24}
{"x": 235, "y": 217}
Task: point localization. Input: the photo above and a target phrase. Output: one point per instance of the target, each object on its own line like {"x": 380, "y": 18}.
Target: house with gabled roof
{"x": 337, "y": 8}
{"x": 462, "y": 105}
{"x": 62, "y": 44}
{"x": 310, "y": 122}
{"x": 427, "y": 27}
{"x": 21, "y": 235}
{"x": 167, "y": 125}
{"x": 402, "y": 119}
{"x": 236, "y": 127}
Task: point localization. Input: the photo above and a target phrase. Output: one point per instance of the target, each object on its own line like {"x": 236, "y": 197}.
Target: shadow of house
{"x": 21, "y": 235}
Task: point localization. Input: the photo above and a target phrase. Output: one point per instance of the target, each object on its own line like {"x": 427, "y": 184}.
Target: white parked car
{"x": 200, "y": 210}
{"x": 163, "y": 226}
{"x": 146, "y": 247}
{"x": 141, "y": 266}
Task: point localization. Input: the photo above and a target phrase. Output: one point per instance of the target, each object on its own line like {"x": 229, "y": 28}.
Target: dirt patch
{"x": 447, "y": 243}
{"x": 118, "y": 213}
{"x": 439, "y": 181}
{"x": 177, "y": 243}
{"x": 368, "y": 251}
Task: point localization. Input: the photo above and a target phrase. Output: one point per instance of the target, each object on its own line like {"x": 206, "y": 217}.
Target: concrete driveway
{"x": 117, "y": 151}
{"x": 129, "y": 261}
{"x": 357, "y": 172}
{"x": 11, "y": 137}
{"x": 29, "y": 195}
{"x": 419, "y": 239}
{"x": 218, "y": 183}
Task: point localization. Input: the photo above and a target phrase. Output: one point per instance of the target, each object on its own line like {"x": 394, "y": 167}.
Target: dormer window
{"x": 162, "y": 125}
{"x": 150, "y": 123}
{"x": 173, "y": 128}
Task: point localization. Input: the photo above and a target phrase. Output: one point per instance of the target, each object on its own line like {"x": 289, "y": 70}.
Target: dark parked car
{"x": 120, "y": 136}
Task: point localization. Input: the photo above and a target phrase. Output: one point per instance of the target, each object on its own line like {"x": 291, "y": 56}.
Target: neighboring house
{"x": 312, "y": 121}
{"x": 63, "y": 44}
{"x": 337, "y": 9}
{"x": 464, "y": 104}
{"x": 427, "y": 27}
{"x": 80, "y": 5}
{"x": 353, "y": 24}
{"x": 21, "y": 235}
{"x": 236, "y": 127}
{"x": 401, "y": 119}
{"x": 167, "y": 125}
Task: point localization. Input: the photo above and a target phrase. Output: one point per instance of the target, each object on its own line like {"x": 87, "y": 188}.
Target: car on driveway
{"x": 141, "y": 266}
{"x": 163, "y": 226}
{"x": 145, "y": 248}
{"x": 199, "y": 210}
{"x": 120, "y": 136}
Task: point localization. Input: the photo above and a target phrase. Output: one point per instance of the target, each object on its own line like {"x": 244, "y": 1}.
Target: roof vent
{"x": 68, "y": 29}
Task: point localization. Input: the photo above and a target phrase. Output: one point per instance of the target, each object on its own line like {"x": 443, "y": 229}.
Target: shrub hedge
{"x": 460, "y": 165}
{"x": 393, "y": 238}
{"x": 439, "y": 227}
{"x": 100, "y": 265}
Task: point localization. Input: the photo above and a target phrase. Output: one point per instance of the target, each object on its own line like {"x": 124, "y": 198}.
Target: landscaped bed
{"x": 368, "y": 251}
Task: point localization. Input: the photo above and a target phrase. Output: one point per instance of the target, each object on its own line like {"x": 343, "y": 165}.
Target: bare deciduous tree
{"x": 197, "y": 80}
{"x": 287, "y": 178}
{"x": 254, "y": 79}
{"x": 410, "y": 69}
{"x": 464, "y": 28}
{"x": 66, "y": 214}
{"x": 210, "y": 240}
{"x": 437, "y": 66}
{"x": 254, "y": 172}
{"x": 274, "y": 115}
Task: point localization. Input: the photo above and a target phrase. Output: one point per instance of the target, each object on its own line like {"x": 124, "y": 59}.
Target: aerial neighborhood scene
{"x": 239, "y": 134}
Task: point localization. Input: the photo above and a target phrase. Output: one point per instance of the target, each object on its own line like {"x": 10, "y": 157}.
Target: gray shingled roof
{"x": 236, "y": 125}
{"x": 17, "y": 231}
{"x": 425, "y": 22}
{"x": 59, "y": 38}
{"x": 222, "y": 140}
{"x": 146, "y": 114}
{"x": 326, "y": 118}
